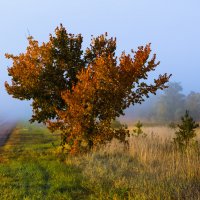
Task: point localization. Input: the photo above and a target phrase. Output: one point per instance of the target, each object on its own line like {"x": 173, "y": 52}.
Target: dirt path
{"x": 6, "y": 128}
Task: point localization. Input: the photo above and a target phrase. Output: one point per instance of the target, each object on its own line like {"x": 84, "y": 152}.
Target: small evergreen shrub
{"x": 186, "y": 132}
{"x": 138, "y": 130}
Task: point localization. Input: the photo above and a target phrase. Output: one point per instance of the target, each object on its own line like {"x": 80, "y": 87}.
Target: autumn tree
{"x": 43, "y": 71}
{"x": 80, "y": 92}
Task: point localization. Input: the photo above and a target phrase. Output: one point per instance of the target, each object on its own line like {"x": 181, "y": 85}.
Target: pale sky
{"x": 172, "y": 26}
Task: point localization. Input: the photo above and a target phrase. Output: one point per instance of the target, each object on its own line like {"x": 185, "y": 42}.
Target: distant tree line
{"x": 173, "y": 103}
{"x": 168, "y": 106}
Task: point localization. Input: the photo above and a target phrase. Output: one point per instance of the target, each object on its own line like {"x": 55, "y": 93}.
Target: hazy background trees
{"x": 192, "y": 103}
{"x": 170, "y": 105}
{"x": 167, "y": 106}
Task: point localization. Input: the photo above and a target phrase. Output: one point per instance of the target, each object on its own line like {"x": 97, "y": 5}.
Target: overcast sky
{"x": 172, "y": 26}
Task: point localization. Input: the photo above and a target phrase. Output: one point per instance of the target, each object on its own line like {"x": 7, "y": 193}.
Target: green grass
{"x": 31, "y": 167}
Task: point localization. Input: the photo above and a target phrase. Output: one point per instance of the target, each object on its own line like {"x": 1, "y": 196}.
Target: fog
{"x": 165, "y": 107}
{"x": 171, "y": 26}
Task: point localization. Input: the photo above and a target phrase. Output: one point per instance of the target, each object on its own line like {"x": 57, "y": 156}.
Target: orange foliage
{"x": 82, "y": 93}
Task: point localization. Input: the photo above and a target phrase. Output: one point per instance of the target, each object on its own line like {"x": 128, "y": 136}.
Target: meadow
{"x": 33, "y": 167}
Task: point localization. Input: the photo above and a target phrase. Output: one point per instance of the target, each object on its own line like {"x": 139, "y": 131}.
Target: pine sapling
{"x": 186, "y": 131}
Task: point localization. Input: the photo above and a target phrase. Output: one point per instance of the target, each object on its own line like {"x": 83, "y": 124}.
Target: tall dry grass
{"x": 151, "y": 169}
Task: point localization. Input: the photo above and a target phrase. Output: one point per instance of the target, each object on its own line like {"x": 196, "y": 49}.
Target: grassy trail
{"x": 6, "y": 128}
{"x": 29, "y": 168}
